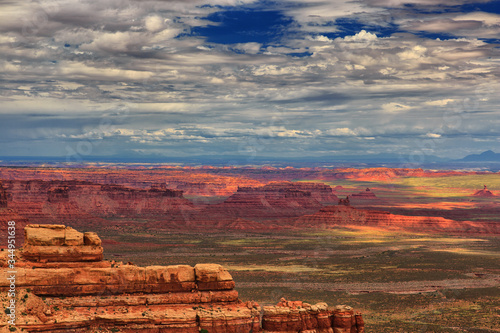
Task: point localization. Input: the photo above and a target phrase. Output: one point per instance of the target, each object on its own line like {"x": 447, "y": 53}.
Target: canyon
{"x": 314, "y": 234}
{"x": 212, "y": 181}
{"x": 64, "y": 285}
{"x": 274, "y": 206}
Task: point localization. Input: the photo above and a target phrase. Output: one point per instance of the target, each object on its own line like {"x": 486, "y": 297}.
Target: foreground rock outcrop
{"x": 63, "y": 285}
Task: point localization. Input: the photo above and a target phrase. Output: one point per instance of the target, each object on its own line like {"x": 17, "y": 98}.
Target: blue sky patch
{"x": 350, "y": 27}
{"x": 245, "y": 26}
{"x": 489, "y": 7}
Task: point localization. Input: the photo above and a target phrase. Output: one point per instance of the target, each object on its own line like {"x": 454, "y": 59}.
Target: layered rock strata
{"x": 73, "y": 201}
{"x": 8, "y": 214}
{"x": 275, "y": 200}
{"x": 297, "y": 316}
{"x": 3, "y": 196}
{"x": 366, "y": 194}
{"x": 63, "y": 285}
{"x": 341, "y": 215}
{"x": 192, "y": 181}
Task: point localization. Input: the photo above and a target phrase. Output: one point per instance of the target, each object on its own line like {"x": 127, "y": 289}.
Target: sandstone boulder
{"x": 72, "y": 237}
{"x": 91, "y": 238}
{"x": 213, "y": 277}
{"x": 45, "y": 234}
{"x": 211, "y": 273}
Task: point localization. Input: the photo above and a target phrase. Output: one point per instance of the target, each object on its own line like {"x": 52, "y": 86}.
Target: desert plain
{"x": 413, "y": 250}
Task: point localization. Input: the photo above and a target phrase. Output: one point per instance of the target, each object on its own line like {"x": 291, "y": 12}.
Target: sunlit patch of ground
{"x": 443, "y": 205}
{"x": 267, "y": 268}
{"x": 469, "y": 252}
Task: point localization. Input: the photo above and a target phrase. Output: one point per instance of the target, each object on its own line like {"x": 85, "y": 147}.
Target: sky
{"x": 248, "y": 78}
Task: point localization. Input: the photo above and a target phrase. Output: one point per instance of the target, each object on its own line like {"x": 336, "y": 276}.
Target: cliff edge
{"x": 60, "y": 283}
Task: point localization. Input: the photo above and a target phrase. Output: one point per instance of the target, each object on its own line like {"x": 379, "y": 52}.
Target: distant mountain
{"x": 487, "y": 156}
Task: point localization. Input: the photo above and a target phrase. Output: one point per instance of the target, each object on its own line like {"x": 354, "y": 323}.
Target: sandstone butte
{"x": 484, "y": 193}
{"x": 366, "y": 194}
{"x": 274, "y": 200}
{"x": 63, "y": 285}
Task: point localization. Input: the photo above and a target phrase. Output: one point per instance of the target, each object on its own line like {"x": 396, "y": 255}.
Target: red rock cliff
{"x": 332, "y": 216}
{"x": 42, "y": 201}
{"x": 3, "y": 197}
{"x": 276, "y": 199}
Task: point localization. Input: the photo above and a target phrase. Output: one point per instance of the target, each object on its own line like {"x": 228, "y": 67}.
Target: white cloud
{"x": 154, "y": 23}
{"x": 441, "y": 102}
{"x": 250, "y": 48}
{"x": 361, "y": 36}
{"x": 394, "y": 107}
{"x": 415, "y": 52}
{"x": 81, "y": 71}
{"x": 341, "y": 132}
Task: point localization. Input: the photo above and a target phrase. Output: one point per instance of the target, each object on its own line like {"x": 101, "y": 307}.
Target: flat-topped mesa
{"x": 321, "y": 192}
{"x": 85, "y": 203}
{"x": 122, "y": 192}
{"x": 366, "y": 194}
{"x": 274, "y": 200}
{"x": 62, "y": 284}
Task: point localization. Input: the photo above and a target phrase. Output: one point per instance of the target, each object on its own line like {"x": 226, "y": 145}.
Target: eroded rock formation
{"x": 3, "y": 197}
{"x": 341, "y": 215}
{"x": 192, "y": 181}
{"x": 484, "y": 193}
{"x": 63, "y": 285}
{"x": 8, "y": 214}
{"x": 74, "y": 201}
{"x": 366, "y": 194}
{"x": 275, "y": 200}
